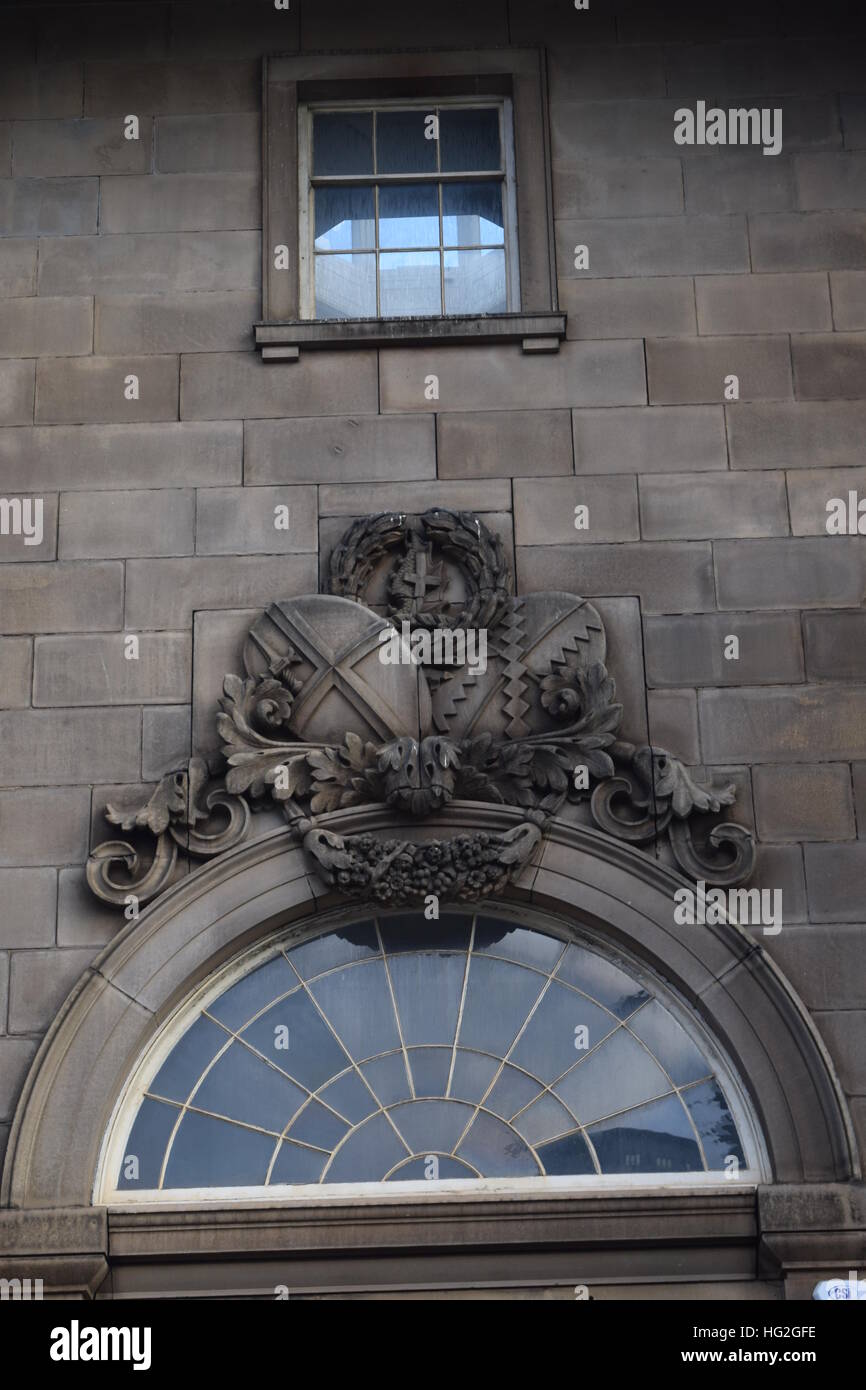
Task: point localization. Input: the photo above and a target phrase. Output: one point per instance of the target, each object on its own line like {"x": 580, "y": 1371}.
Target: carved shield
{"x": 333, "y": 646}
{"x": 539, "y": 634}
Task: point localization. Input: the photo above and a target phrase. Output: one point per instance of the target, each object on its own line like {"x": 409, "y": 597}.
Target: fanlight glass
{"x": 399, "y": 1049}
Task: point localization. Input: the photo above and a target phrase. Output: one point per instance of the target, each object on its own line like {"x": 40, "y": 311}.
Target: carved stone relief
{"x": 339, "y": 706}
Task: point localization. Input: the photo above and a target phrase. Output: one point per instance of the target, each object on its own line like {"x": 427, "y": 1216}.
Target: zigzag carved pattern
{"x": 512, "y": 648}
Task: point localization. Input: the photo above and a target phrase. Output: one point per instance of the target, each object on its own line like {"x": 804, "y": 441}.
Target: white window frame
{"x": 306, "y": 222}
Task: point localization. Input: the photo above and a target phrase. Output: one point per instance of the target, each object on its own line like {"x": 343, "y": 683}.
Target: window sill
{"x": 540, "y": 332}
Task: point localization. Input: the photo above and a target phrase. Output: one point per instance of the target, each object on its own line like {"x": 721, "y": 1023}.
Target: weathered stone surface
{"x": 122, "y": 456}
{"x": 91, "y": 670}
{"x": 792, "y": 573}
{"x": 105, "y": 525}
{"x": 804, "y": 802}
{"x": 165, "y": 740}
{"x": 763, "y": 303}
{"x": 848, "y": 291}
{"x": 665, "y": 577}
{"x": 29, "y": 908}
{"x": 690, "y": 649}
{"x": 51, "y": 89}
{"x": 16, "y": 1054}
{"x": 180, "y": 203}
{"x": 544, "y": 512}
{"x": 17, "y": 266}
{"x": 168, "y": 88}
{"x": 835, "y": 645}
{"x": 203, "y": 321}
{"x": 622, "y": 625}
{"x": 452, "y": 24}
{"x": 853, "y": 111}
{"x": 101, "y": 30}
{"x": 218, "y": 644}
{"x": 39, "y": 982}
{"x": 679, "y": 506}
{"x": 844, "y": 1031}
{"x": 82, "y": 920}
{"x": 795, "y": 435}
{"x": 243, "y": 521}
{"x": 649, "y": 439}
{"x": 47, "y": 825}
{"x": 827, "y": 181}
{"x": 673, "y": 723}
{"x": 366, "y": 448}
{"x": 824, "y": 964}
{"x": 821, "y": 241}
{"x": 738, "y": 183}
{"x": 48, "y": 747}
{"x": 220, "y": 29}
{"x": 20, "y": 547}
{"x": 151, "y": 263}
{"x": 507, "y": 443}
{"x": 618, "y": 188}
{"x": 30, "y": 327}
{"x": 810, "y": 491}
{"x": 781, "y": 867}
{"x": 628, "y": 308}
{"x": 60, "y": 597}
{"x": 834, "y": 879}
{"x": 80, "y": 147}
{"x": 580, "y": 71}
{"x": 160, "y": 593}
{"x": 653, "y": 246}
{"x": 858, "y": 779}
{"x": 501, "y": 378}
{"x": 90, "y": 390}
{"x": 48, "y": 207}
{"x": 222, "y": 143}
{"x": 234, "y": 385}
{"x": 692, "y": 370}
{"x": 17, "y": 390}
{"x": 16, "y": 667}
{"x": 340, "y": 499}
{"x": 784, "y": 724}
{"x": 829, "y": 367}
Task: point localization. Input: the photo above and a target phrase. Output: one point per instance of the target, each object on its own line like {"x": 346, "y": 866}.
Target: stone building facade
{"x": 685, "y": 358}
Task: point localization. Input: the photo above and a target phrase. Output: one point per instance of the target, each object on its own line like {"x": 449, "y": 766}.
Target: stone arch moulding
{"x": 577, "y": 876}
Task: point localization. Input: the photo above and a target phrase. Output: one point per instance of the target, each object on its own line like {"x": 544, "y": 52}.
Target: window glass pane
{"x": 469, "y": 139}
{"x": 568, "y": 1155}
{"x": 254, "y": 992}
{"x": 475, "y": 282}
{"x": 472, "y": 214}
{"x": 388, "y": 1095}
{"x": 243, "y": 1087}
{"x": 430, "y": 1067}
{"x": 714, "y": 1124}
{"x": 369, "y": 1153}
{"x": 147, "y": 1142}
{"x": 544, "y": 1119}
{"x": 418, "y": 1168}
{"x": 343, "y": 143}
{"x": 357, "y": 1004}
{"x": 549, "y": 1044}
{"x": 401, "y": 144}
{"x": 496, "y": 1150}
{"x": 431, "y": 1126}
{"x": 188, "y": 1059}
{"x": 427, "y": 990}
{"x": 344, "y": 219}
{"x": 409, "y": 215}
{"x": 346, "y": 287}
{"x": 620, "y": 1074}
{"x": 409, "y": 283}
{"x": 652, "y": 1139}
{"x": 295, "y": 1164}
{"x": 214, "y": 1153}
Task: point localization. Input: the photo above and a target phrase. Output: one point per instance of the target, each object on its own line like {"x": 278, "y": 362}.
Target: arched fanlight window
{"x": 400, "y": 1050}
